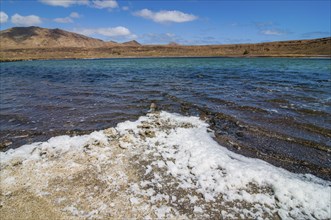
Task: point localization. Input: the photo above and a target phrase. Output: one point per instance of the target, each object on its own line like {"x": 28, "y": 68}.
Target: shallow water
{"x": 277, "y": 109}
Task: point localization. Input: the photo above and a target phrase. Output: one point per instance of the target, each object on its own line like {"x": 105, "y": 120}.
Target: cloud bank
{"x": 166, "y": 16}
{"x": 316, "y": 34}
{"x": 108, "y": 32}
{"x": 104, "y": 4}
{"x": 3, "y": 17}
{"x": 29, "y": 20}
{"x": 100, "y": 4}
{"x": 64, "y": 20}
{"x": 65, "y": 3}
{"x": 74, "y": 15}
{"x": 273, "y": 32}
{"x": 68, "y": 19}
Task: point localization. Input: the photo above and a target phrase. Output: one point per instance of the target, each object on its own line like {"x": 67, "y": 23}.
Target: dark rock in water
{"x": 240, "y": 134}
{"x": 5, "y": 144}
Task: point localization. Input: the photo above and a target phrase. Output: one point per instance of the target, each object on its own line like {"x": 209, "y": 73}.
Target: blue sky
{"x": 182, "y": 21}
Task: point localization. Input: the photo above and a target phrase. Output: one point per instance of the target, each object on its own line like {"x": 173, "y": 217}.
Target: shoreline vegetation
{"x": 35, "y": 43}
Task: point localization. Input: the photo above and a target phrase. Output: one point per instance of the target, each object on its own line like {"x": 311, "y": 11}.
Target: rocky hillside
{"x": 36, "y": 37}
{"x": 132, "y": 43}
{"x": 28, "y": 43}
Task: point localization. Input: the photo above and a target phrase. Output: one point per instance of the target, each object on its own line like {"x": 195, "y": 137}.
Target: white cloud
{"x": 112, "y": 32}
{"x": 108, "y": 32}
{"x": 64, "y": 3}
{"x": 270, "y": 28}
{"x": 264, "y": 24}
{"x": 166, "y": 16}
{"x": 63, "y": 20}
{"x": 316, "y": 34}
{"x": 160, "y": 38}
{"x": 74, "y": 15}
{"x": 68, "y": 19}
{"x": 104, "y": 4}
{"x": 29, "y": 20}
{"x": 125, "y": 8}
{"x": 272, "y": 32}
{"x": 3, "y": 17}
{"x": 100, "y": 4}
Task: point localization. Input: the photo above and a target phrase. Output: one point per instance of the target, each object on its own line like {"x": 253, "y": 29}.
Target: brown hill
{"x": 36, "y": 37}
{"x": 111, "y": 44}
{"x": 132, "y": 43}
{"x": 27, "y": 43}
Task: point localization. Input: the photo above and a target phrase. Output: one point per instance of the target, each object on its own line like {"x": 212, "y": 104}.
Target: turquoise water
{"x": 277, "y": 109}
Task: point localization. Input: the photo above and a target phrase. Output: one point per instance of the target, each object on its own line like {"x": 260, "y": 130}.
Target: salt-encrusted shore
{"x": 161, "y": 166}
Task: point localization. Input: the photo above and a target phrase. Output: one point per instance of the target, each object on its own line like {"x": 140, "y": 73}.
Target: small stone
{"x": 153, "y": 107}
{"x": 111, "y": 132}
{"x": 240, "y": 134}
{"x": 144, "y": 126}
{"x": 123, "y": 145}
{"x": 8, "y": 194}
{"x": 150, "y": 133}
{"x": 147, "y": 133}
{"x": 7, "y": 143}
{"x": 125, "y": 141}
{"x": 16, "y": 161}
{"x": 126, "y": 138}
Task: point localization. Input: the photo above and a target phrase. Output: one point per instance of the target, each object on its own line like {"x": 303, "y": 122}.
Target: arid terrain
{"x": 28, "y": 43}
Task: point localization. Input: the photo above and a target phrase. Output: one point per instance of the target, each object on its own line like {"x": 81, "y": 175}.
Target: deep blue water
{"x": 287, "y": 97}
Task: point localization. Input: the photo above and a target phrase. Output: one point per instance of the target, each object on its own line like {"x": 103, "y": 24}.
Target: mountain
{"x": 112, "y": 44}
{"x": 36, "y": 37}
{"x": 132, "y": 43}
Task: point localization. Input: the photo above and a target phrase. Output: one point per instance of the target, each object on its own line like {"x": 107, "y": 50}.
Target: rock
{"x": 16, "y": 161}
{"x": 153, "y": 107}
{"x": 123, "y": 145}
{"x": 5, "y": 144}
{"x": 150, "y": 133}
{"x": 144, "y": 126}
{"x": 111, "y": 132}
{"x": 147, "y": 133}
{"x": 125, "y": 141}
{"x": 93, "y": 142}
{"x": 240, "y": 134}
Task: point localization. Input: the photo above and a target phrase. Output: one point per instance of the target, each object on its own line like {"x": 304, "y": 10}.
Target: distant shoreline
{"x": 35, "y": 43}
{"x": 157, "y": 57}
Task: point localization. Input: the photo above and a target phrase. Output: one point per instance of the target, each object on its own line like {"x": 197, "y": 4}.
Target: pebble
{"x": 153, "y": 107}
{"x": 111, "y": 132}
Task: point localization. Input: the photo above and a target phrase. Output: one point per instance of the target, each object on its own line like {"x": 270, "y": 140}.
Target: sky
{"x": 187, "y": 22}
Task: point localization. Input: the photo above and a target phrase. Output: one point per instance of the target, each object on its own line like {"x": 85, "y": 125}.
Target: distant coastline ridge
{"x": 30, "y": 43}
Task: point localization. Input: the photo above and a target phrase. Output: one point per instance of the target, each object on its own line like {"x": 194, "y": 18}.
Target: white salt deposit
{"x": 182, "y": 158}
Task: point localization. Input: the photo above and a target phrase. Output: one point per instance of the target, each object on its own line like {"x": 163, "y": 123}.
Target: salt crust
{"x": 177, "y": 172}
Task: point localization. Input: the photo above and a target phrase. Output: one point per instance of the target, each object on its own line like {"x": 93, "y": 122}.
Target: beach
{"x": 161, "y": 166}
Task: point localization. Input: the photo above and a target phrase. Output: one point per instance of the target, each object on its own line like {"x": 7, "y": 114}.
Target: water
{"x": 276, "y": 109}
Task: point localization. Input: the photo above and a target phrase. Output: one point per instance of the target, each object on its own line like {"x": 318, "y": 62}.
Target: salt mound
{"x": 161, "y": 166}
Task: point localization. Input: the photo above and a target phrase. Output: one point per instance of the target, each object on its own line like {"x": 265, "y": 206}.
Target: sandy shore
{"x": 161, "y": 166}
